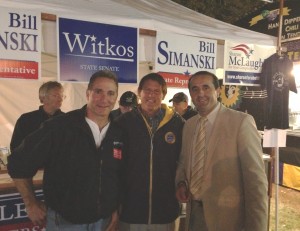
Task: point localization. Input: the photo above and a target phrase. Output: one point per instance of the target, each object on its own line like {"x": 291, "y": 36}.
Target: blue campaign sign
{"x": 242, "y": 78}
{"x": 87, "y": 47}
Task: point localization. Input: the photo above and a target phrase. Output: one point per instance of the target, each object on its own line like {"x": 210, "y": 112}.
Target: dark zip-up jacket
{"x": 151, "y": 160}
{"x": 115, "y": 113}
{"x": 190, "y": 112}
{"x": 29, "y": 122}
{"x": 81, "y": 182}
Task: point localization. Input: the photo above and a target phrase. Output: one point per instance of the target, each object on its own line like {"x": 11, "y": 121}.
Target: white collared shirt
{"x": 98, "y": 135}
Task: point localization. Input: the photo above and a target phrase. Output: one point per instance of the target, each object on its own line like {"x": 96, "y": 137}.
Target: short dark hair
{"x": 155, "y": 77}
{"x": 102, "y": 74}
{"x": 215, "y": 78}
{"x": 46, "y": 87}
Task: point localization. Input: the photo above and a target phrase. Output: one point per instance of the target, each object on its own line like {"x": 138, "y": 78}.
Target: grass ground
{"x": 288, "y": 209}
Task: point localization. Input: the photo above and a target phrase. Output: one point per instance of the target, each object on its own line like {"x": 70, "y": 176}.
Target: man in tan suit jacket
{"x": 232, "y": 195}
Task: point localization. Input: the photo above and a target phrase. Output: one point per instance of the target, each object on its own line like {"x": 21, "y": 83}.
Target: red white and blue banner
{"x": 87, "y": 47}
{"x": 180, "y": 56}
{"x": 13, "y": 215}
{"x": 243, "y": 61}
{"x": 20, "y": 44}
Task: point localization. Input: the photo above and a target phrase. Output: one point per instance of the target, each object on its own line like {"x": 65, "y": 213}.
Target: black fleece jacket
{"x": 81, "y": 182}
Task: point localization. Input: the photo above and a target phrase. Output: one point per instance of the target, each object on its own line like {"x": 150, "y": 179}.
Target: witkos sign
{"x": 87, "y": 47}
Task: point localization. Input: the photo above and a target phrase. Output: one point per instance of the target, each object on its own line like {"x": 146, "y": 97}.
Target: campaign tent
{"x": 148, "y": 14}
{"x": 19, "y": 96}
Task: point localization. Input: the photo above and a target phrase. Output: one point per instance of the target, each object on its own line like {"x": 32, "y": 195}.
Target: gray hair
{"x": 46, "y": 87}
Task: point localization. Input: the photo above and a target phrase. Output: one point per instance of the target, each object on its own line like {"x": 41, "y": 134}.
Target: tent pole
{"x": 281, "y": 3}
{"x": 276, "y": 186}
{"x": 276, "y": 149}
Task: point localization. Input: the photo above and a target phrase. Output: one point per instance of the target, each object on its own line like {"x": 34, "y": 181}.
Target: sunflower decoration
{"x": 230, "y": 96}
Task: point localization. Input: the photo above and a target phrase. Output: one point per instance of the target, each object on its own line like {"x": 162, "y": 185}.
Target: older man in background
{"x": 51, "y": 95}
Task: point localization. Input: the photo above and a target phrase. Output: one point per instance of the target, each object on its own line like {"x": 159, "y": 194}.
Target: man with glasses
{"x": 51, "y": 95}
{"x": 81, "y": 153}
{"x": 152, "y": 144}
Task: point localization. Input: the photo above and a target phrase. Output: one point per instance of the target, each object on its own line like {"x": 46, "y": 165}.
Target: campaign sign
{"x": 243, "y": 62}
{"x": 20, "y": 43}
{"x": 87, "y": 47}
{"x": 180, "y": 56}
{"x": 266, "y": 20}
{"x": 13, "y": 215}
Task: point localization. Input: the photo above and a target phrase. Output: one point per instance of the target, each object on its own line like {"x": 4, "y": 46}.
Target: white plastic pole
{"x": 276, "y": 170}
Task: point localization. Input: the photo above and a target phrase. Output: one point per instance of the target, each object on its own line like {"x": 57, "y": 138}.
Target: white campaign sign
{"x": 242, "y": 62}
{"x": 184, "y": 54}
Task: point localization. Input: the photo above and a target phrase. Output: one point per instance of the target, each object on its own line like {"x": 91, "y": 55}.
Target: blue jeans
{"x": 56, "y": 223}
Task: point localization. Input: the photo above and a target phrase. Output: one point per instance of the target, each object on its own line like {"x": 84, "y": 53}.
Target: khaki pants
{"x": 197, "y": 220}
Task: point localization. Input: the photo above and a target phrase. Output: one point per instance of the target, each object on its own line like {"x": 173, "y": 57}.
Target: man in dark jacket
{"x": 51, "y": 95}
{"x": 152, "y": 145}
{"x": 181, "y": 105}
{"x": 81, "y": 153}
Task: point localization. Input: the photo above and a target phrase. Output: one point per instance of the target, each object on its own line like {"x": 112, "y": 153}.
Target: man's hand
{"x": 36, "y": 212}
{"x": 114, "y": 222}
{"x": 182, "y": 193}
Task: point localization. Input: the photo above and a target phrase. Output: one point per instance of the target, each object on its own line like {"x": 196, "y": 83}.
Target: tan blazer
{"x": 235, "y": 184}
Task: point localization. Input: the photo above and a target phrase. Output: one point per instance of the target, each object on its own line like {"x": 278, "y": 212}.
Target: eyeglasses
{"x": 154, "y": 92}
{"x": 58, "y": 96}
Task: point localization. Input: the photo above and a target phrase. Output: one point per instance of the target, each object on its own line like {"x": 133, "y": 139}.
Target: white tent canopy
{"x": 155, "y": 15}
{"x": 20, "y": 96}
